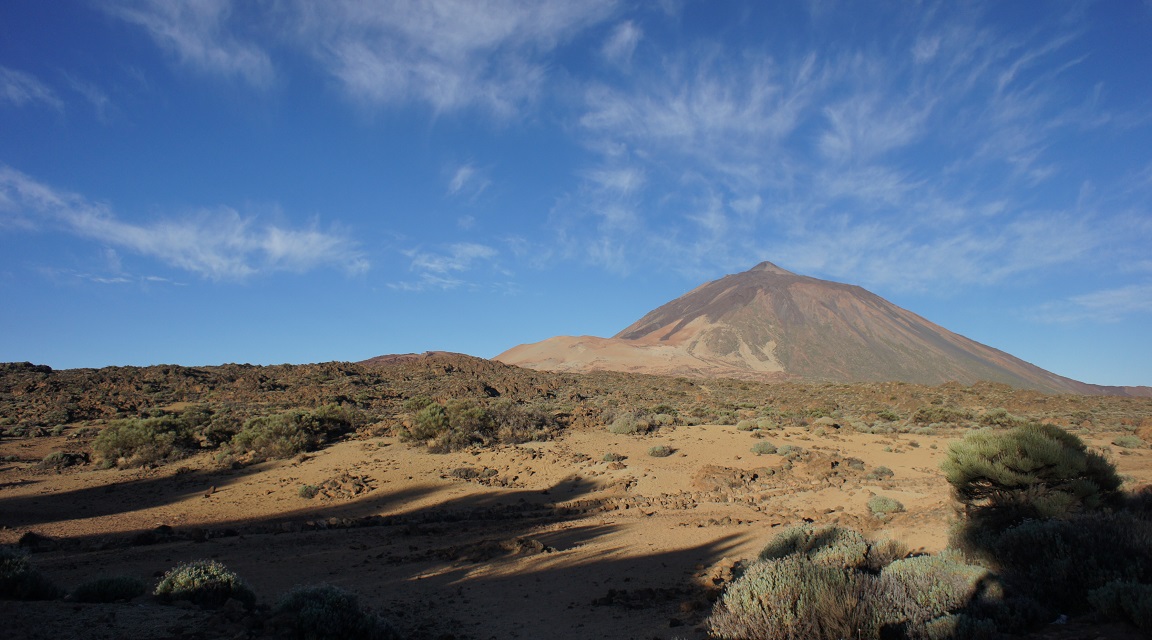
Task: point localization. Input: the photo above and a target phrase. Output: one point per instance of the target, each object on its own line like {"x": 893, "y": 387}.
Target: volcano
{"x": 768, "y": 323}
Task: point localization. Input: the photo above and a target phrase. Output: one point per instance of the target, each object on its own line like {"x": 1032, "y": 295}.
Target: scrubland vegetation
{"x": 1046, "y": 532}
{"x": 1045, "y": 526}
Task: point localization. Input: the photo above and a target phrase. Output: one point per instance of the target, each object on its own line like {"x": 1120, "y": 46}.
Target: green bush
{"x": 62, "y": 459}
{"x": 1034, "y": 471}
{"x": 826, "y": 545}
{"x": 109, "y": 589}
{"x": 1002, "y": 419}
{"x": 661, "y": 451}
{"x": 1056, "y": 562}
{"x": 805, "y": 585}
{"x": 763, "y": 448}
{"x": 883, "y": 505}
{"x": 322, "y": 612}
{"x": 747, "y": 425}
{"x": 922, "y": 588}
{"x": 1129, "y": 442}
{"x": 279, "y": 436}
{"x": 1130, "y": 601}
{"x": 937, "y": 414}
{"x": 138, "y": 442}
{"x": 308, "y": 491}
{"x": 461, "y": 424}
{"x": 204, "y": 582}
{"x": 19, "y": 580}
{"x": 880, "y": 473}
{"x": 624, "y": 425}
{"x": 792, "y": 598}
{"x": 613, "y": 457}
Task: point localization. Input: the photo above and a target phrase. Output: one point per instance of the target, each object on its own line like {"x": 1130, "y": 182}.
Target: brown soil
{"x": 527, "y": 541}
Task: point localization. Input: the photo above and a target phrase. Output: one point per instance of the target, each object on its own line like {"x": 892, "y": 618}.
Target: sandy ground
{"x": 529, "y": 541}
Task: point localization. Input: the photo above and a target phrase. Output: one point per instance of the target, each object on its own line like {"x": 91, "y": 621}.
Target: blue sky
{"x": 209, "y": 181}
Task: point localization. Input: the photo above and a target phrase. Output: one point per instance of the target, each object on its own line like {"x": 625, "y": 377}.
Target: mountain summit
{"x": 768, "y": 323}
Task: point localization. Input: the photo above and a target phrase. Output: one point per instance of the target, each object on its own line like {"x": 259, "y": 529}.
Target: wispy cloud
{"x": 219, "y": 244}
{"x": 448, "y": 54}
{"x": 1109, "y": 305}
{"x": 917, "y": 165}
{"x": 20, "y": 88}
{"x": 199, "y": 35}
{"x": 444, "y": 267}
{"x": 468, "y": 181}
{"x": 621, "y": 43}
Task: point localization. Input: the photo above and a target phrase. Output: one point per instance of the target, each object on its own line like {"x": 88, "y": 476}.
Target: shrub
{"x": 138, "y": 442}
{"x": 826, "y": 545}
{"x": 624, "y": 425}
{"x": 763, "y": 447}
{"x": 203, "y": 582}
{"x": 279, "y": 436}
{"x": 922, "y": 588}
{"x": 461, "y": 424}
{"x": 796, "y": 594}
{"x": 1001, "y": 418}
{"x": 937, "y": 414}
{"x": 883, "y": 505}
{"x": 308, "y": 491}
{"x": 880, "y": 473}
{"x": 1034, "y": 471}
{"x": 19, "y": 580}
{"x": 794, "y": 597}
{"x": 613, "y": 457}
{"x": 1056, "y": 562}
{"x": 320, "y": 612}
{"x": 110, "y": 589}
{"x": 747, "y": 425}
{"x": 661, "y": 451}
{"x": 1129, "y": 442}
{"x": 1129, "y": 601}
{"x": 61, "y": 459}
{"x": 882, "y": 553}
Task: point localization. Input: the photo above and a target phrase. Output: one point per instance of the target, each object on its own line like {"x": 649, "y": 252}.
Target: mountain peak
{"x": 769, "y": 323}
{"x": 768, "y": 267}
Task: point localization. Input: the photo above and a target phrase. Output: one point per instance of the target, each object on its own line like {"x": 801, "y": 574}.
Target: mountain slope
{"x": 768, "y": 323}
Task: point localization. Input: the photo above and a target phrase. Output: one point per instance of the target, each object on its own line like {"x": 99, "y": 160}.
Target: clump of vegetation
{"x": 460, "y": 424}
{"x": 624, "y": 425}
{"x": 322, "y": 612}
{"x": 935, "y": 414}
{"x": 827, "y": 583}
{"x": 747, "y": 425}
{"x": 1034, "y": 471}
{"x": 62, "y": 459}
{"x": 109, "y": 589}
{"x": 206, "y": 583}
{"x": 1034, "y": 498}
{"x": 1123, "y": 600}
{"x": 661, "y": 451}
{"x": 308, "y": 491}
{"x": 1129, "y": 442}
{"x": 139, "y": 442}
{"x": 883, "y": 505}
{"x": 763, "y": 448}
{"x": 1002, "y": 419}
{"x": 19, "y": 580}
{"x": 828, "y": 545}
{"x": 287, "y": 434}
{"x": 880, "y": 473}
{"x": 613, "y": 457}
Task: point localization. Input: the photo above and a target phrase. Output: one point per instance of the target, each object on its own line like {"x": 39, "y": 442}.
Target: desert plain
{"x": 583, "y": 535}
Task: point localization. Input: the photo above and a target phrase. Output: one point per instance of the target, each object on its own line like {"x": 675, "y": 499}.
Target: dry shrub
{"x": 204, "y": 582}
